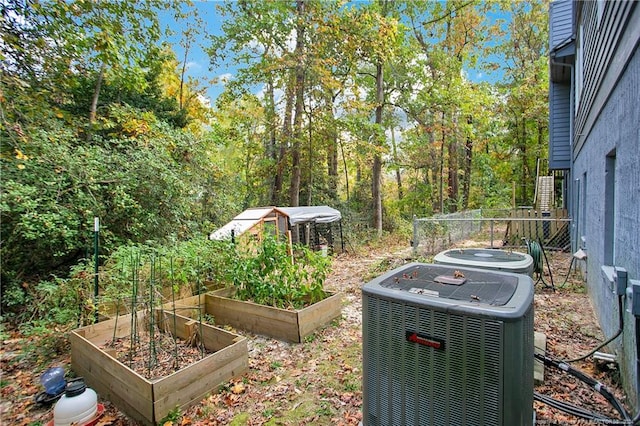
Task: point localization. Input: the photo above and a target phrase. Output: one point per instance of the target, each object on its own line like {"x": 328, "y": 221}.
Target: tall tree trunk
{"x": 332, "y": 151}
{"x": 183, "y": 73}
{"x": 441, "y": 171}
{"x": 96, "y": 94}
{"x": 452, "y": 166}
{"x": 332, "y": 164}
{"x": 270, "y": 144}
{"x": 247, "y": 174}
{"x": 431, "y": 171}
{"x": 525, "y": 165}
{"x": 294, "y": 188}
{"x": 346, "y": 170}
{"x": 394, "y": 147}
{"x": 376, "y": 177}
{"x": 311, "y": 159}
{"x": 466, "y": 180}
{"x": 286, "y": 141}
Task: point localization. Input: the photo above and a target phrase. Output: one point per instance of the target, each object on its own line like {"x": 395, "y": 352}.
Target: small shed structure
{"x": 311, "y": 225}
{"x": 253, "y": 221}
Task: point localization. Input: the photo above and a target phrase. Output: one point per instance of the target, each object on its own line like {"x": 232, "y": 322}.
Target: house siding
{"x": 614, "y": 32}
{"x": 561, "y": 57}
{"x": 560, "y": 23}
{"x": 559, "y": 126}
{"x": 608, "y": 121}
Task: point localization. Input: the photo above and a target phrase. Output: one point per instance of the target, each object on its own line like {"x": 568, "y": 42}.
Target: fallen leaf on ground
{"x": 238, "y": 388}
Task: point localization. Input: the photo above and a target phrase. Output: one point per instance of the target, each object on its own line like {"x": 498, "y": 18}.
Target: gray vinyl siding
{"x": 606, "y": 132}
{"x": 561, "y": 22}
{"x": 559, "y": 126}
{"x": 602, "y": 39}
{"x": 617, "y": 130}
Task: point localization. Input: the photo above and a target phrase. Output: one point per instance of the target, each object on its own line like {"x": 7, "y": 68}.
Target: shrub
{"x": 268, "y": 274}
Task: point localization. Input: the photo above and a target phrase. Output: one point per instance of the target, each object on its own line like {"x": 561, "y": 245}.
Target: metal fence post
{"x": 491, "y": 231}
{"x": 414, "y": 242}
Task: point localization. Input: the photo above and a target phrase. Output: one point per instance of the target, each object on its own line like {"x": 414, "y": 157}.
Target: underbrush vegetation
{"x": 142, "y": 276}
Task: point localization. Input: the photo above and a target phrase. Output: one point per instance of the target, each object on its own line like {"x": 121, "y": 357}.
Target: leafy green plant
{"x": 43, "y": 342}
{"x": 268, "y": 413}
{"x": 135, "y": 270}
{"x": 268, "y": 274}
{"x": 275, "y": 365}
{"x": 208, "y": 319}
{"x": 172, "y": 416}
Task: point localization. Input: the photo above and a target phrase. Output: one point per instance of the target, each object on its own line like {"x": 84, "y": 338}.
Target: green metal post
{"x": 96, "y": 231}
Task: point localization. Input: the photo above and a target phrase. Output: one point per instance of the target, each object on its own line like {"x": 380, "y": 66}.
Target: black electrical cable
{"x": 636, "y": 419}
{"x": 586, "y": 414}
{"x": 544, "y": 253}
{"x": 591, "y": 382}
{"x": 609, "y": 340}
{"x": 570, "y": 408}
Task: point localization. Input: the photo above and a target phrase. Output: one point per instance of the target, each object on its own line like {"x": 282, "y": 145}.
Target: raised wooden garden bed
{"x": 283, "y": 324}
{"x": 110, "y": 309}
{"x": 149, "y": 401}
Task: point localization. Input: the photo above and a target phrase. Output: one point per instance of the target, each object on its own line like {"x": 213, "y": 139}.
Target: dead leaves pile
{"x": 318, "y": 382}
{"x": 155, "y": 361}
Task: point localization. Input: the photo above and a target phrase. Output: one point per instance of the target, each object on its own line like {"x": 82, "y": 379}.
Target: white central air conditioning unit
{"x": 447, "y": 346}
{"x": 493, "y": 259}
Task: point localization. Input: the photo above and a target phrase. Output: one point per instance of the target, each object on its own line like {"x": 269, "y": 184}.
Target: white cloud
{"x": 205, "y": 101}
{"x": 223, "y": 79}
{"x": 193, "y": 66}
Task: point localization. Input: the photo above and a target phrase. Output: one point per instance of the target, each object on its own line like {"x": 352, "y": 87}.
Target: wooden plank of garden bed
{"x": 214, "y": 338}
{"x": 102, "y": 332}
{"x": 199, "y": 379}
{"x": 181, "y": 305}
{"x": 259, "y": 319}
{"x": 110, "y": 378}
{"x": 217, "y": 339}
{"x": 318, "y": 314}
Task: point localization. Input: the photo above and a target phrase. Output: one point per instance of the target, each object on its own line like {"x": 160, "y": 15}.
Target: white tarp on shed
{"x": 297, "y": 215}
{"x": 241, "y": 223}
{"x": 311, "y": 214}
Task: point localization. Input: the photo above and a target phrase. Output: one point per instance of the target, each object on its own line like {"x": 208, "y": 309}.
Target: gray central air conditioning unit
{"x": 447, "y": 346}
{"x": 493, "y": 259}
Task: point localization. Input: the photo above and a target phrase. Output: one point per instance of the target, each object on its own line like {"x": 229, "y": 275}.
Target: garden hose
{"x": 534, "y": 250}
{"x": 538, "y": 255}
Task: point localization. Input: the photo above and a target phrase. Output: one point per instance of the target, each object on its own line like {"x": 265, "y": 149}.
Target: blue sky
{"x": 198, "y": 61}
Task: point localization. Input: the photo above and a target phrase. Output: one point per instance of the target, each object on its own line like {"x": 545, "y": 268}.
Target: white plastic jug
{"x": 78, "y": 405}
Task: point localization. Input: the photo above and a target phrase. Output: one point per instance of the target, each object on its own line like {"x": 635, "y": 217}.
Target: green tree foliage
{"x": 142, "y": 166}
{"x": 523, "y": 51}
{"x": 370, "y": 68}
{"x": 242, "y": 157}
{"x": 142, "y": 181}
{"x": 369, "y": 107}
{"x": 48, "y": 44}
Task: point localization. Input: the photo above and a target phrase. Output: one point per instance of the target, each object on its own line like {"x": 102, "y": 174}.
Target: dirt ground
{"x": 318, "y": 382}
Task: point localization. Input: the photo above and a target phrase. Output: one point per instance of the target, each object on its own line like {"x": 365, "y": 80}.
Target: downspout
{"x": 571, "y": 138}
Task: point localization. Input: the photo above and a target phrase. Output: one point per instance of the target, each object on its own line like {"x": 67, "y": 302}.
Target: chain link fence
{"x": 506, "y": 228}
